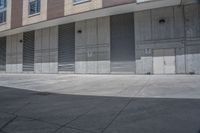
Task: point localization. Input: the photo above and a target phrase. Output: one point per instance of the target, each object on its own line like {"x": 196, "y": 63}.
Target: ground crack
{"x": 7, "y": 123}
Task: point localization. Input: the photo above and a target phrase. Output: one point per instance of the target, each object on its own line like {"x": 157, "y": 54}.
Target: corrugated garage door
{"x": 66, "y": 48}
{"x": 3, "y": 54}
{"x": 28, "y": 51}
{"x": 122, "y": 43}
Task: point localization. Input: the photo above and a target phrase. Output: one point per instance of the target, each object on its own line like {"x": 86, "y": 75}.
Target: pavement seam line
{"x": 81, "y": 129}
{"x": 65, "y": 125}
{"x": 131, "y": 99}
{"x": 142, "y": 88}
{"x": 7, "y": 123}
{"x": 117, "y": 114}
{"x": 21, "y": 108}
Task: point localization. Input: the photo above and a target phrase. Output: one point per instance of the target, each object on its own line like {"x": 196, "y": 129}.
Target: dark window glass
{"x": 2, "y": 11}
{"x": 34, "y": 7}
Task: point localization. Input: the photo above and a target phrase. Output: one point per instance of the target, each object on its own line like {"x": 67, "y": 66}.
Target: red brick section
{"x": 109, "y": 3}
{"x": 55, "y": 9}
{"x": 16, "y": 13}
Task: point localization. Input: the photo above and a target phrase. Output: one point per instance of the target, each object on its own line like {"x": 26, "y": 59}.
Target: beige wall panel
{"x": 7, "y": 25}
{"x": 37, "y": 18}
{"x": 70, "y": 8}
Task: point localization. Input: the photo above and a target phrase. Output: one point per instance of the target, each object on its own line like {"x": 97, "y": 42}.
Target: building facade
{"x": 100, "y": 36}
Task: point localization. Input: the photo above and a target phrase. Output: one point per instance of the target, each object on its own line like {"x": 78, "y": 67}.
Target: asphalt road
{"x": 99, "y": 104}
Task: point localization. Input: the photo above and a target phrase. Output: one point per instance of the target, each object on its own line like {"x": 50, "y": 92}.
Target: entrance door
{"x": 122, "y": 43}
{"x": 164, "y": 61}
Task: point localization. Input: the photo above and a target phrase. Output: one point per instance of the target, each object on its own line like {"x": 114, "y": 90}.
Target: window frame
{"x": 80, "y": 2}
{"x": 29, "y": 8}
{"x": 3, "y": 10}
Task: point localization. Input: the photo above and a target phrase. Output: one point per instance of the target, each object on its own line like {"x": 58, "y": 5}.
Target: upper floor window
{"x": 34, "y": 7}
{"x": 2, "y": 11}
{"x": 79, "y": 1}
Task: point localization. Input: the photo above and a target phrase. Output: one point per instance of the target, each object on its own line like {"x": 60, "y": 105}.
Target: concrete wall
{"x": 14, "y": 54}
{"x": 192, "y": 43}
{"x": 180, "y": 31}
{"x": 92, "y": 46}
{"x": 150, "y": 34}
{"x": 46, "y": 50}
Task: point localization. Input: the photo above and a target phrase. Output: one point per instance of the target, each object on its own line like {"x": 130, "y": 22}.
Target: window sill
{"x": 33, "y": 15}
{"x": 3, "y": 23}
{"x": 81, "y": 2}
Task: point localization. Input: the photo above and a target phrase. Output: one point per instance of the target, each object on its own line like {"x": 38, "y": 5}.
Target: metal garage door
{"x": 66, "y": 48}
{"x": 3, "y": 54}
{"x": 122, "y": 43}
{"x": 28, "y": 51}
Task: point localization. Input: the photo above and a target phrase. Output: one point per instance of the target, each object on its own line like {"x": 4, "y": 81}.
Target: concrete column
{"x": 46, "y": 50}
{"x": 104, "y": 45}
{"x": 53, "y": 49}
{"x": 38, "y": 52}
{"x": 14, "y": 53}
{"x": 80, "y": 47}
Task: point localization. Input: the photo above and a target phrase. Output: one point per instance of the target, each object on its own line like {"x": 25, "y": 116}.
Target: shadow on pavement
{"x": 24, "y": 111}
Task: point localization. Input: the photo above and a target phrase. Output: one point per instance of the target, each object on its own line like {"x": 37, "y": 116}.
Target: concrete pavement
{"x": 99, "y": 104}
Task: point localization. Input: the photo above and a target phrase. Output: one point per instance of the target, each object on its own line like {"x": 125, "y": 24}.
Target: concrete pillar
{"x": 53, "y": 49}
{"x": 38, "y": 52}
{"x": 14, "y": 53}
{"x": 46, "y": 50}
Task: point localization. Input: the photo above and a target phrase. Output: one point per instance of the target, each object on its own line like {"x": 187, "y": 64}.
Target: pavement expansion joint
{"x": 7, "y": 123}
